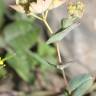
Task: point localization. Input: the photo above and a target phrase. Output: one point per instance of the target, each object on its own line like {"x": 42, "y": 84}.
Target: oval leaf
{"x": 66, "y": 22}
{"x": 81, "y": 90}
{"x": 59, "y": 36}
{"x": 77, "y": 81}
{"x": 20, "y": 34}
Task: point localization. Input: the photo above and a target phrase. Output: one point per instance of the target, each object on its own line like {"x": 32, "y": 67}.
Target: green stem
{"x": 44, "y": 17}
{"x": 47, "y": 25}
{"x": 58, "y": 52}
{"x": 57, "y": 45}
{"x": 65, "y": 79}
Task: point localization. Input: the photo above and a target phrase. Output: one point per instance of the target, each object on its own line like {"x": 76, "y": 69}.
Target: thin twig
{"x": 64, "y": 77}
{"x": 47, "y": 25}
{"x": 57, "y": 45}
{"x": 58, "y": 52}
{"x": 43, "y": 18}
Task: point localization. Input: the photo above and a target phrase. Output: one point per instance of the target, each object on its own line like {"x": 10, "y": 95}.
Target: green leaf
{"x": 44, "y": 65}
{"x": 60, "y": 35}
{"x": 83, "y": 89}
{"x": 49, "y": 55}
{"x": 37, "y": 57}
{"x": 21, "y": 65}
{"x": 42, "y": 47}
{"x": 66, "y": 22}
{"x": 78, "y": 81}
{"x": 20, "y": 34}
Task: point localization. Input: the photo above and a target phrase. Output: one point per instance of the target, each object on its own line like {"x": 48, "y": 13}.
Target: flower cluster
{"x": 36, "y": 6}
{"x": 76, "y": 9}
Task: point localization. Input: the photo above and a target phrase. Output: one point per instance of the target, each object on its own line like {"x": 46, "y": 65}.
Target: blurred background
{"x": 28, "y": 73}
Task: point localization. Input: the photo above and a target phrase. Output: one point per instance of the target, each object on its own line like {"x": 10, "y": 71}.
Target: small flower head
{"x": 71, "y": 8}
{"x": 36, "y": 6}
{"x": 76, "y": 9}
{"x": 1, "y": 62}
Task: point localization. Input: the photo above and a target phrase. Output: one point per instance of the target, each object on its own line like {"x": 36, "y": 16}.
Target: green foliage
{"x": 67, "y": 25}
{"x": 49, "y": 54}
{"x": 79, "y": 85}
{"x": 17, "y": 38}
{"x": 67, "y": 22}
{"x": 20, "y": 36}
{"x": 60, "y": 35}
{"x": 83, "y": 89}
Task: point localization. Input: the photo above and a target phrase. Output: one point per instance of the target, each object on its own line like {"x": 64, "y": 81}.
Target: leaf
{"x": 20, "y": 34}
{"x": 42, "y": 47}
{"x": 20, "y": 64}
{"x": 82, "y": 89}
{"x": 37, "y": 57}
{"x": 59, "y": 36}
{"x": 78, "y": 81}
{"x": 44, "y": 65}
{"x": 49, "y": 55}
{"x": 66, "y": 22}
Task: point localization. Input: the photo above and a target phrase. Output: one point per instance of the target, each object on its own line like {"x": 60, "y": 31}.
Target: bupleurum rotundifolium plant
{"x": 80, "y": 84}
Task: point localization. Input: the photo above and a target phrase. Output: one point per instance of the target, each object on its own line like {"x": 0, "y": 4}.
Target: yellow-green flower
{"x": 1, "y": 62}
{"x": 76, "y": 9}
{"x": 71, "y": 8}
